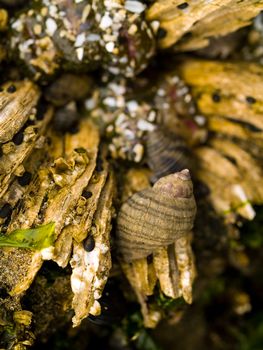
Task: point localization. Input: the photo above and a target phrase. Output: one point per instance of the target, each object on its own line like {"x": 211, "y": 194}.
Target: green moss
{"x": 166, "y": 303}
{"x": 34, "y": 238}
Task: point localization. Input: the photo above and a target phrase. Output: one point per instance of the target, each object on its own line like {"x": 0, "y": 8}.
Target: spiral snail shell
{"x": 167, "y": 153}
{"x": 156, "y": 217}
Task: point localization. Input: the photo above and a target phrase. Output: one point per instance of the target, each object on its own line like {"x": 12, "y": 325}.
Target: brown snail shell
{"x": 156, "y": 217}
{"x": 166, "y": 153}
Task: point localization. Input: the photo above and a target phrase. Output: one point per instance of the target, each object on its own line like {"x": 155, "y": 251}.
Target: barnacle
{"x": 62, "y": 172}
{"x": 80, "y": 37}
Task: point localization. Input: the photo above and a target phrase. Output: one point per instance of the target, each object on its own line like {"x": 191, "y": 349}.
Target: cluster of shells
{"x": 84, "y": 153}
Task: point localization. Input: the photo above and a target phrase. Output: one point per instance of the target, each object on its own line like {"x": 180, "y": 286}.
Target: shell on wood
{"x": 156, "y": 217}
{"x": 166, "y": 153}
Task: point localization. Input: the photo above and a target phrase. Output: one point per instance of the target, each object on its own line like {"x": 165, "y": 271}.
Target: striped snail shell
{"x": 156, "y": 217}
{"x": 166, "y": 153}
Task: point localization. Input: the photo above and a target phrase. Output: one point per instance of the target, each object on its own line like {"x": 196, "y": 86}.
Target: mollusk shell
{"x": 166, "y": 153}
{"x": 156, "y": 217}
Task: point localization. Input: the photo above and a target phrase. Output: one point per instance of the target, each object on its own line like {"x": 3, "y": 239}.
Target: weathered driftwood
{"x": 73, "y": 188}
{"x": 200, "y": 20}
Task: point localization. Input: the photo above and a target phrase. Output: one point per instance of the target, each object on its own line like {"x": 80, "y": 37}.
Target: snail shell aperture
{"x": 156, "y": 217}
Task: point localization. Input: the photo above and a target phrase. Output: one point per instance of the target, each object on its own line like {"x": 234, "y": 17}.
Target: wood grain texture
{"x": 200, "y": 20}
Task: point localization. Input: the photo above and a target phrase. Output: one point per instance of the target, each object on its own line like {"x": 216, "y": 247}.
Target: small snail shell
{"x": 166, "y": 153}
{"x": 156, "y": 217}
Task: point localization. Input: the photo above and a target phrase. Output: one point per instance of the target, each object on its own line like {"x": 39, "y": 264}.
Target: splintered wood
{"x": 71, "y": 185}
{"x": 190, "y": 25}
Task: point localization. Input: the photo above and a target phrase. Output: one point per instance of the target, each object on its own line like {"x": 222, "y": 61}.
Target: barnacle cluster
{"x": 61, "y": 181}
{"x": 82, "y": 35}
{"x": 96, "y": 135}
